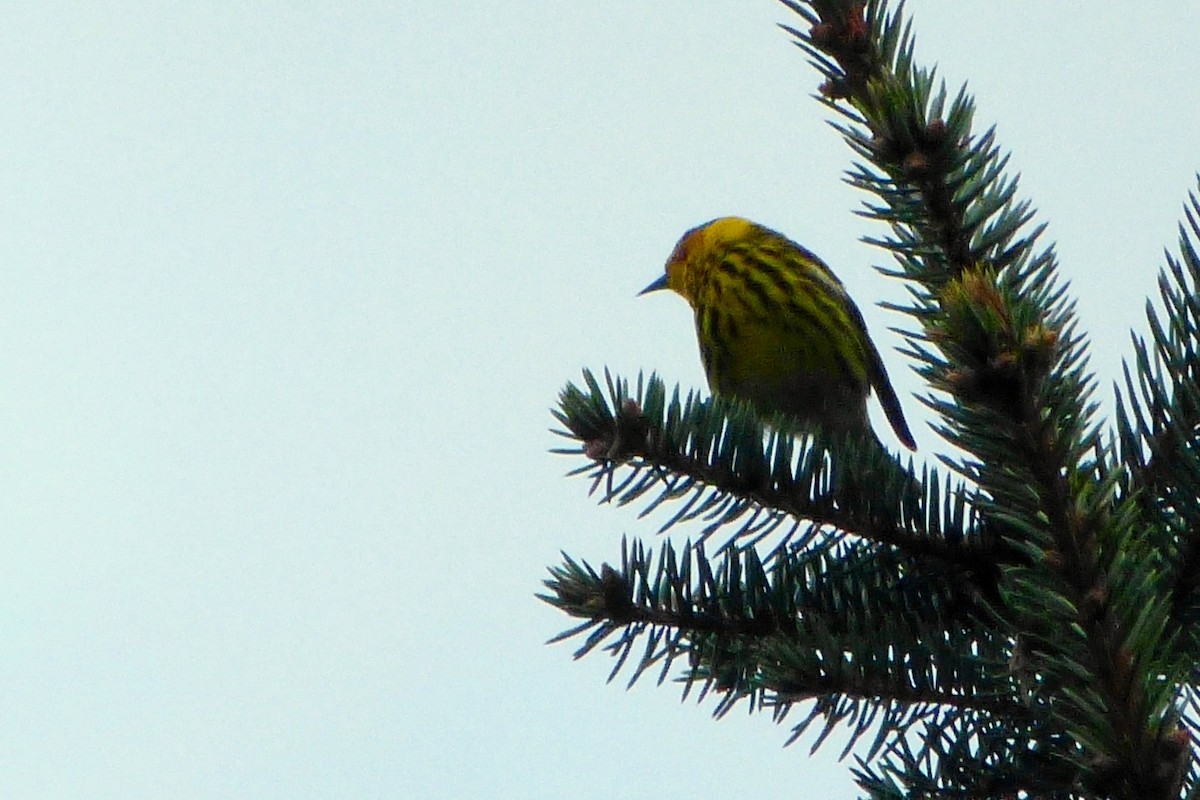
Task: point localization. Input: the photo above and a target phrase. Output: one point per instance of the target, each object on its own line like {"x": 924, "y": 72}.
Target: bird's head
{"x": 696, "y": 252}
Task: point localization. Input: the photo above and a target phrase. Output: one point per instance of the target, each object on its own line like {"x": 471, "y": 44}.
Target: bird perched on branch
{"x": 777, "y": 329}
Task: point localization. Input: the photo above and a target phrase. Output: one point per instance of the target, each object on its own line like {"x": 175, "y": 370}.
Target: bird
{"x": 777, "y": 328}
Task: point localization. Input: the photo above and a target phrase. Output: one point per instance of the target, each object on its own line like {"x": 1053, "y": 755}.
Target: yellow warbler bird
{"x": 777, "y": 329}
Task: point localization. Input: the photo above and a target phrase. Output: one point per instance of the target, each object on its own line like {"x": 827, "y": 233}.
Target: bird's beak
{"x": 661, "y": 283}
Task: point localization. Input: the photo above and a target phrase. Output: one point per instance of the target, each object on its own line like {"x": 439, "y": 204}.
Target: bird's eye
{"x": 682, "y": 249}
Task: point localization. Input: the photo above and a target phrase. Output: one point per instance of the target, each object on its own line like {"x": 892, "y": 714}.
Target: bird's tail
{"x": 891, "y": 407}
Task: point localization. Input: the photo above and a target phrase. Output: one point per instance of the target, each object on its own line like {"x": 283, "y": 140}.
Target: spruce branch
{"x": 724, "y": 458}
{"x": 1158, "y": 421}
{"x": 806, "y": 626}
{"x": 998, "y": 339}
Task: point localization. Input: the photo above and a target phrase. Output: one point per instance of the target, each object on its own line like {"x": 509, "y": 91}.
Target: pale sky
{"x": 291, "y": 288}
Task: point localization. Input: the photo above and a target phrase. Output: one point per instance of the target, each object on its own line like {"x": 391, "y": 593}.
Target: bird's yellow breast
{"x": 751, "y": 346}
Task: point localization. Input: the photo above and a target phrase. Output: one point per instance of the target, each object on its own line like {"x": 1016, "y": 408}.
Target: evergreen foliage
{"x": 1016, "y": 621}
